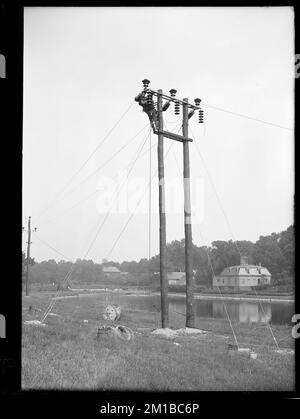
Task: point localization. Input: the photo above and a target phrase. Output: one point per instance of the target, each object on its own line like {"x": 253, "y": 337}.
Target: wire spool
{"x": 112, "y": 312}
{"x": 122, "y": 332}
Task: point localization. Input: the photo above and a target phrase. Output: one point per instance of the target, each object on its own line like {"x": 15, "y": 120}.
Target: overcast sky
{"x": 82, "y": 69}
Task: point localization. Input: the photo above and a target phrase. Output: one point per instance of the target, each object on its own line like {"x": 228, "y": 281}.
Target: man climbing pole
{"x": 145, "y": 100}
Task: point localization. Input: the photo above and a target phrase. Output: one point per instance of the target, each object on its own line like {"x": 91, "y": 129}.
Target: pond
{"x": 242, "y": 311}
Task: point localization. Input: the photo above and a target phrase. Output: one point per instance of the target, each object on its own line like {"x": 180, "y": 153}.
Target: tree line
{"x": 276, "y": 252}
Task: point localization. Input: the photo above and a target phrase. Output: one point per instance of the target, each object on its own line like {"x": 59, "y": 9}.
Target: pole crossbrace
{"x": 172, "y": 136}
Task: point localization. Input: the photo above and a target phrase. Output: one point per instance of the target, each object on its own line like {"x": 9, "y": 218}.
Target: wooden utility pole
{"x": 145, "y": 99}
{"x": 162, "y": 218}
{"x": 28, "y": 256}
{"x": 190, "y": 316}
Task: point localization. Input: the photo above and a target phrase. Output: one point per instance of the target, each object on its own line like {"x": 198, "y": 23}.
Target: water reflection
{"x": 242, "y": 311}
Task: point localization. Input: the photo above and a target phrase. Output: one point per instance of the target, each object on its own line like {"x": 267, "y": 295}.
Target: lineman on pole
{"x": 146, "y": 101}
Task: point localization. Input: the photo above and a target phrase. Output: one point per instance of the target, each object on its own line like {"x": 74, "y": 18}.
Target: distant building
{"x": 110, "y": 271}
{"x": 242, "y": 277}
{"x": 176, "y": 278}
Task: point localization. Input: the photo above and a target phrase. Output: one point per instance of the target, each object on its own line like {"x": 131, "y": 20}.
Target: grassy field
{"x": 66, "y": 353}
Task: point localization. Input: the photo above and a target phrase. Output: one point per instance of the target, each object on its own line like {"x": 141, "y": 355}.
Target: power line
{"x": 224, "y": 305}
{"x": 53, "y": 248}
{"x": 173, "y": 122}
{"x": 73, "y": 206}
{"x": 86, "y": 161}
{"x": 215, "y": 191}
{"x": 103, "y": 165}
{"x": 69, "y": 274}
{"x": 247, "y": 117}
{"x": 227, "y": 314}
{"x": 116, "y": 194}
{"x": 232, "y": 236}
{"x": 94, "y": 192}
{"x": 107, "y": 161}
{"x": 133, "y": 213}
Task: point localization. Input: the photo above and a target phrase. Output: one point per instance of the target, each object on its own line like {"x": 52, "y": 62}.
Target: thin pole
{"x": 150, "y": 200}
{"x": 190, "y": 315}
{"x": 28, "y": 257}
{"x": 162, "y": 219}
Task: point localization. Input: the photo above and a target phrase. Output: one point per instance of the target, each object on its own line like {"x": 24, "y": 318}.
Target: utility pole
{"x": 190, "y": 316}
{"x": 28, "y": 255}
{"x": 162, "y": 218}
{"x": 145, "y": 99}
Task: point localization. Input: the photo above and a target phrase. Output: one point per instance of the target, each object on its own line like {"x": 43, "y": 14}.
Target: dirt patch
{"x": 174, "y": 333}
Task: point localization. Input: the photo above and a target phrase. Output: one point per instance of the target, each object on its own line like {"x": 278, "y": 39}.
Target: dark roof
{"x": 243, "y": 270}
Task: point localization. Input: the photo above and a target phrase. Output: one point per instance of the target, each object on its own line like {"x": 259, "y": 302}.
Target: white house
{"x": 176, "y": 278}
{"x": 242, "y": 277}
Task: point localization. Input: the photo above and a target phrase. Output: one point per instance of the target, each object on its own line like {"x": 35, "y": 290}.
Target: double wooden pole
{"x": 190, "y": 317}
